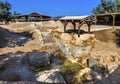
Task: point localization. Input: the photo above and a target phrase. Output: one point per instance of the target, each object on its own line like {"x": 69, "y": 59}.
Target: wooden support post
{"x": 64, "y": 24}
{"x": 95, "y": 19}
{"x": 80, "y": 24}
{"x": 105, "y": 20}
{"x": 26, "y": 18}
{"x": 79, "y": 31}
{"x": 64, "y": 28}
{"x": 89, "y": 25}
{"x": 89, "y": 28}
{"x": 113, "y": 21}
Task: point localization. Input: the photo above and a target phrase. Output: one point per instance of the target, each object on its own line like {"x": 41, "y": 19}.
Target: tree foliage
{"x": 16, "y": 13}
{"x": 117, "y": 5}
{"x": 107, "y": 6}
{"x": 4, "y": 11}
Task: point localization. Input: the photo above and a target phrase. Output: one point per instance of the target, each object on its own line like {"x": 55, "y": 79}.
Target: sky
{"x": 54, "y": 7}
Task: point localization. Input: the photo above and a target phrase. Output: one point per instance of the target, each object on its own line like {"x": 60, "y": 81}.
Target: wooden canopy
{"x": 74, "y": 17}
{"x": 106, "y": 17}
{"x": 35, "y": 15}
{"x": 86, "y": 19}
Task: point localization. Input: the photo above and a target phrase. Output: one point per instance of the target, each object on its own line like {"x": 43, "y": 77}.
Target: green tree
{"x": 106, "y": 6}
{"x": 117, "y": 5}
{"x": 5, "y": 14}
{"x": 101, "y": 8}
{"x": 16, "y": 13}
{"x": 110, "y": 7}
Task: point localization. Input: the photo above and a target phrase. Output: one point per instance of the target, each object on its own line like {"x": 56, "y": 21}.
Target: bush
{"x": 69, "y": 70}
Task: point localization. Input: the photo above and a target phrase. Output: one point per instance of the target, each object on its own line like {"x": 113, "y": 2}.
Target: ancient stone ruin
{"x": 42, "y": 53}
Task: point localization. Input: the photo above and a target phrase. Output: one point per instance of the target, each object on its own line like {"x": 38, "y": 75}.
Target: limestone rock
{"x": 65, "y": 48}
{"x": 49, "y": 24}
{"x": 25, "y": 28}
{"x": 79, "y": 51}
{"x": 84, "y": 40}
{"x": 77, "y": 47}
{"x": 92, "y": 62}
{"x": 39, "y": 59}
{"x": 36, "y": 34}
{"x": 113, "y": 66}
{"x": 38, "y": 25}
{"x": 72, "y": 45}
{"x": 51, "y": 76}
{"x": 85, "y": 75}
{"x": 84, "y": 71}
{"x": 66, "y": 38}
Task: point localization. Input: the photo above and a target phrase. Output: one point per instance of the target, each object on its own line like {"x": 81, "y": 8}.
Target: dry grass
{"x": 69, "y": 70}
{"x": 106, "y": 35}
{"x": 105, "y": 44}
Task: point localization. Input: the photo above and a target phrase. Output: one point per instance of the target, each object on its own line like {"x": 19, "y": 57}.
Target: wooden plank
{"x": 108, "y": 14}
{"x": 95, "y": 19}
{"x": 64, "y": 24}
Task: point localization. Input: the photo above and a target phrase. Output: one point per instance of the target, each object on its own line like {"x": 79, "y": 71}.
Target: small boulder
{"x": 113, "y": 66}
{"x": 51, "y": 77}
{"x": 36, "y": 34}
{"x": 39, "y": 59}
{"x": 85, "y": 75}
